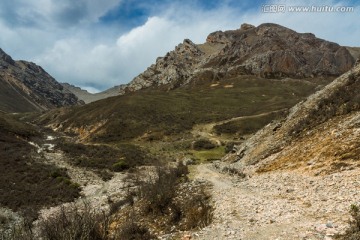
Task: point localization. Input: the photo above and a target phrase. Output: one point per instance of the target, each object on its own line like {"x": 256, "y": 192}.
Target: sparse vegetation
{"x": 234, "y": 171}
{"x": 169, "y": 198}
{"x": 209, "y": 155}
{"x": 133, "y": 231}
{"x": 75, "y": 223}
{"x": 158, "y": 192}
{"x": 345, "y": 100}
{"x": 203, "y": 144}
{"x": 134, "y": 115}
{"x": 10, "y": 126}
{"x": 27, "y": 184}
{"x": 105, "y": 157}
{"x": 353, "y": 232}
{"x": 248, "y": 125}
{"x": 17, "y": 231}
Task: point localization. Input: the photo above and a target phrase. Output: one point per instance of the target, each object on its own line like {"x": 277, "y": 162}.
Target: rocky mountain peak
{"x": 268, "y": 50}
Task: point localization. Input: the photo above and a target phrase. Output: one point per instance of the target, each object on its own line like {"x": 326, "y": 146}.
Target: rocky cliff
{"x": 269, "y": 50}
{"x": 25, "y": 87}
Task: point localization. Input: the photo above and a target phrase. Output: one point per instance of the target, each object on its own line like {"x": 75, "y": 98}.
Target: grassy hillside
{"x": 12, "y": 100}
{"x": 160, "y": 113}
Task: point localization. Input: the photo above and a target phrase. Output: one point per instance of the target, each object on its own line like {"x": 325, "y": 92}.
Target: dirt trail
{"x": 278, "y": 205}
{"x": 206, "y": 130}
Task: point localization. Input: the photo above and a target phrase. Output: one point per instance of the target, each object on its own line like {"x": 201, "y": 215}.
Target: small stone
{"x": 186, "y": 237}
{"x": 320, "y": 228}
{"x": 329, "y": 225}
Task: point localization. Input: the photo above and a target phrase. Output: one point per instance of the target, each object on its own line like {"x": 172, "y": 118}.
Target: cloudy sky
{"x": 97, "y": 44}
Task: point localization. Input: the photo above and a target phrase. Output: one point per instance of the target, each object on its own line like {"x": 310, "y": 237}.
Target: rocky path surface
{"x": 278, "y": 205}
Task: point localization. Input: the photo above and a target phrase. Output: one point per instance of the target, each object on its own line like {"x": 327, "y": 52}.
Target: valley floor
{"x": 278, "y": 205}
{"x": 95, "y": 191}
{"x": 282, "y": 205}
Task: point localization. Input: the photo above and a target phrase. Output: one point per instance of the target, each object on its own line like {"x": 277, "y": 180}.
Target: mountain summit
{"x": 269, "y": 51}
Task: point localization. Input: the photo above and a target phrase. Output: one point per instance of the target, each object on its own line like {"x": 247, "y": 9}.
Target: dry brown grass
{"x": 166, "y": 203}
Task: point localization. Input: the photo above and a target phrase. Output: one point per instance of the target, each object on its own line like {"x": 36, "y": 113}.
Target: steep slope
{"x": 268, "y": 50}
{"x": 25, "y": 87}
{"x": 320, "y": 135}
{"x": 87, "y": 97}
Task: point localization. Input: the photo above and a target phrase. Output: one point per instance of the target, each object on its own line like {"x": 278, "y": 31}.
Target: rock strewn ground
{"x": 279, "y": 205}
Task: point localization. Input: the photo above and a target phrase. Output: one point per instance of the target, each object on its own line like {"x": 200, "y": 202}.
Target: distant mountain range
{"x": 92, "y": 97}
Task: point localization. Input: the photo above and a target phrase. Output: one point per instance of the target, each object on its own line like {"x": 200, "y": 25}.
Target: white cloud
{"x": 90, "y": 89}
{"x": 105, "y": 65}
{"x": 50, "y": 13}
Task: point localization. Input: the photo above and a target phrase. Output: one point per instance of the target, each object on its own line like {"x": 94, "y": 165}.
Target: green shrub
{"x": 119, "y": 166}
{"x": 203, "y": 144}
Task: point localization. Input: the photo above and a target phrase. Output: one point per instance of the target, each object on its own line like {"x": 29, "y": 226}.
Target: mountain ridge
{"x": 27, "y": 87}
{"x": 268, "y": 51}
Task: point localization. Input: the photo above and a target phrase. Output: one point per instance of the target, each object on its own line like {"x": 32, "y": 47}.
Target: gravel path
{"x": 278, "y": 205}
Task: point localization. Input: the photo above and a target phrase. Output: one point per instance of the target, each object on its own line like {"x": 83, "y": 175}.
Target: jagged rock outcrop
{"x": 26, "y": 86}
{"x": 323, "y": 129}
{"x": 174, "y": 68}
{"x": 269, "y": 50}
